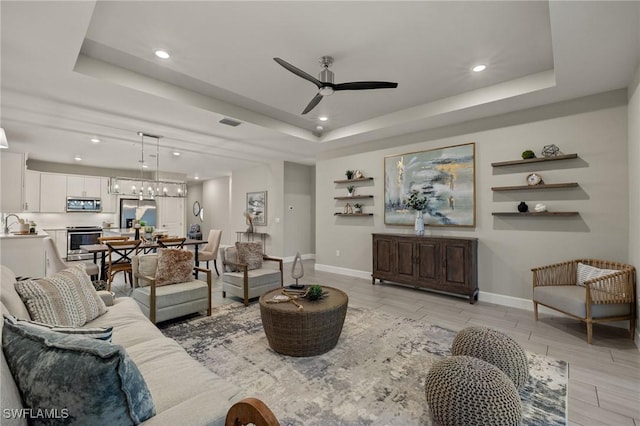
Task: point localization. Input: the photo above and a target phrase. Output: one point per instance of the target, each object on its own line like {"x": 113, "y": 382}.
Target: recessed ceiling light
{"x": 323, "y": 118}
{"x": 77, "y": 158}
{"x": 95, "y": 140}
{"x": 144, "y": 166}
{"x": 196, "y": 177}
{"x": 176, "y": 153}
{"x": 319, "y": 128}
{"x": 479, "y": 68}
{"x": 162, "y": 54}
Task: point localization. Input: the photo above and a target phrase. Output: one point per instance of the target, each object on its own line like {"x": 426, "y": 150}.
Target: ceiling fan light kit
{"x": 325, "y": 82}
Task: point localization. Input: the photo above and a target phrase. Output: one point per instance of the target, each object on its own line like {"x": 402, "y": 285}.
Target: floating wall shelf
{"x": 514, "y": 214}
{"x": 540, "y": 186}
{"x": 353, "y": 197}
{"x": 353, "y": 214}
{"x": 534, "y": 160}
{"x": 364, "y": 179}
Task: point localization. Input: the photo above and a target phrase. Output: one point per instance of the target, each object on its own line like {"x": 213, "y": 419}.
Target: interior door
{"x": 171, "y": 215}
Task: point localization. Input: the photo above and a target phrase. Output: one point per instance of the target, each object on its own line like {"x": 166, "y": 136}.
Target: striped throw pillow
{"x": 92, "y": 303}
{"x": 100, "y": 333}
{"x": 65, "y": 299}
{"x": 587, "y": 272}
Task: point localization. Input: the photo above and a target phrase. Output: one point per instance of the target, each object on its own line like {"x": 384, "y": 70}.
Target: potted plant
{"x": 350, "y": 190}
{"x": 357, "y": 208}
{"x": 349, "y": 174}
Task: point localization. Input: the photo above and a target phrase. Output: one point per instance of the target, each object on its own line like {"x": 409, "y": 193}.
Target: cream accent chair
{"x": 610, "y": 297}
{"x": 56, "y": 264}
{"x": 245, "y": 283}
{"x": 210, "y": 250}
{"x": 162, "y": 303}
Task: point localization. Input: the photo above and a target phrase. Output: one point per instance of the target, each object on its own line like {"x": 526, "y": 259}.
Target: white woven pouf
{"x": 466, "y": 391}
{"x": 496, "y": 348}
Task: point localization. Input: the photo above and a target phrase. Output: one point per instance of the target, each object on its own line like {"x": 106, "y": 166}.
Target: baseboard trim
{"x": 483, "y": 296}
{"x": 343, "y": 271}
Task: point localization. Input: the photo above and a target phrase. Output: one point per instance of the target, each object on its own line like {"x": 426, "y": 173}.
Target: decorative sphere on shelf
{"x": 523, "y": 207}
{"x": 528, "y": 154}
{"x": 550, "y": 150}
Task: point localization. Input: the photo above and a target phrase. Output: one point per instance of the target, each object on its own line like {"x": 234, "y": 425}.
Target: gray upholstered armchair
{"x": 589, "y": 290}
{"x": 162, "y": 297}
{"x": 245, "y": 274}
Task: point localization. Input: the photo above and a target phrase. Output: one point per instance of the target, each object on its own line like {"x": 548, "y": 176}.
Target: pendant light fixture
{"x": 150, "y": 187}
{"x": 151, "y": 192}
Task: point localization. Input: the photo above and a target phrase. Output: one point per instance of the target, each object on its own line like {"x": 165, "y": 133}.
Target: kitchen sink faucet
{"x": 6, "y": 222}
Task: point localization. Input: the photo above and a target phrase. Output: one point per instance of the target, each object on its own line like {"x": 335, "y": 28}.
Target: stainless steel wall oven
{"x": 81, "y": 235}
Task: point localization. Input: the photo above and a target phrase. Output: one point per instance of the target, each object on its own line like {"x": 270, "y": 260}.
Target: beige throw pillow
{"x": 67, "y": 298}
{"x": 588, "y": 272}
{"x": 250, "y": 253}
{"x": 174, "y": 266}
{"x": 91, "y": 301}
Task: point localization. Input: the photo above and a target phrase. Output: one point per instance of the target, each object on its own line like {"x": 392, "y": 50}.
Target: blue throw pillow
{"x": 101, "y": 333}
{"x": 86, "y": 381}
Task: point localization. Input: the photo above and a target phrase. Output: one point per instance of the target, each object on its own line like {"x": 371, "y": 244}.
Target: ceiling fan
{"x": 325, "y": 82}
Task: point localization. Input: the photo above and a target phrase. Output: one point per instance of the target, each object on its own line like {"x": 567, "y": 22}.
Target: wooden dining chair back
{"x": 172, "y": 242}
{"x": 119, "y": 258}
{"x": 103, "y": 240}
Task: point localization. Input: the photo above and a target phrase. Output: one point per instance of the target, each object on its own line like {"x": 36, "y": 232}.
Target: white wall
{"x": 299, "y": 209}
{"x": 508, "y": 248}
{"x": 216, "y": 195}
{"x": 634, "y": 178}
{"x": 268, "y": 177}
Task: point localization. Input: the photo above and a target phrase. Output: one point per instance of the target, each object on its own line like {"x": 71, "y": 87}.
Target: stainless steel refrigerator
{"x": 134, "y": 209}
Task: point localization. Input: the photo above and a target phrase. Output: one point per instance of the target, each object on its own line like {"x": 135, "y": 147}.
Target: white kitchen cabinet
{"x": 171, "y": 215}
{"x": 31, "y": 195}
{"x": 108, "y": 200}
{"x": 24, "y": 254}
{"x": 12, "y": 168}
{"x": 53, "y": 193}
{"x": 83, "y": 186}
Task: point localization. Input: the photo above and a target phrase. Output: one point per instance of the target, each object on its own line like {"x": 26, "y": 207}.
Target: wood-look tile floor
{"x": 604, "y": 377}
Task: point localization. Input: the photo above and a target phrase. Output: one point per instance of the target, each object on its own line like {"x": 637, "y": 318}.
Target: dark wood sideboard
{"x": 447, "y": 264}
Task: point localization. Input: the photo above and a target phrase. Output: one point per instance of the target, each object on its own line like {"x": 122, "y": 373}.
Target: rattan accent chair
{"x": 611, "y": 297}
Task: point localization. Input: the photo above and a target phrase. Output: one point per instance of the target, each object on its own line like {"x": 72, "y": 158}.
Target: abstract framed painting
{"x": 444, "y": 176}
{"x": 257, "y": 207}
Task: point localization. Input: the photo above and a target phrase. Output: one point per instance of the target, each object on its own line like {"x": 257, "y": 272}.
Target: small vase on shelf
{"x": 419, "y": 224}
{"x": 523, "y": 207}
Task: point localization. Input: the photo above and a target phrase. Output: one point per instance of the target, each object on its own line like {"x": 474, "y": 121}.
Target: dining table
{"x": 145, "y": 247}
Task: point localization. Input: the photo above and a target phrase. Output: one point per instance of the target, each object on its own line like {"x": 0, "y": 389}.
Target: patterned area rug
{"x": 374, "y": 376}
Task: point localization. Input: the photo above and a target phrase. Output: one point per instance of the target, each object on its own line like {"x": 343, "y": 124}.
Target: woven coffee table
{"x": 313, "y": 330}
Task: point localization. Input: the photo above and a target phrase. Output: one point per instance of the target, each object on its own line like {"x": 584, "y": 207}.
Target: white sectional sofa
{"x": 183, "y": 391}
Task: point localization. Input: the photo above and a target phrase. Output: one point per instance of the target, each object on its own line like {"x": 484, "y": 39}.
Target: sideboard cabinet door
{"x": 444, "y": 264}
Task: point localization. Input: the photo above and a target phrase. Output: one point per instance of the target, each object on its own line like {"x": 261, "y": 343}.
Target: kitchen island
{"x": 24, "y": 254}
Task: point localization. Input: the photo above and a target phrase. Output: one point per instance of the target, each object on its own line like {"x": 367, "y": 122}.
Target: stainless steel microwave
{"x": 84, "y": 204}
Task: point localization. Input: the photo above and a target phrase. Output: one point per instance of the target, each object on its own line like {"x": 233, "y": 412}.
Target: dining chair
{"x": 103, "y": 240}
{"x": 173, "y": 242}
{"x": 210, "y": 250}
{"x": 119, "y": 258}
{"x": 56, "y": 264}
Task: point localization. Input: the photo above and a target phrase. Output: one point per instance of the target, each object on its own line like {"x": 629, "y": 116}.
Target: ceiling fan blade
{"x": 299, "y": 72}
{"x": 315, "y": 101}
{"x": 365, "y": 85}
